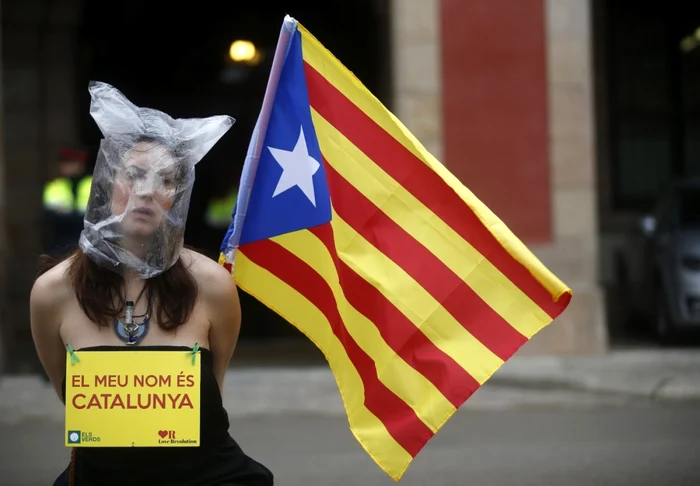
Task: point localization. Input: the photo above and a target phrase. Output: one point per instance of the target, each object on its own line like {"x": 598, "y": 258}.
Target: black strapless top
{"x": 217, "y": 461}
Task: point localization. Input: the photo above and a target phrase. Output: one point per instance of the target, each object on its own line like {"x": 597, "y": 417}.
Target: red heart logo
{"x": 162, "y": 433}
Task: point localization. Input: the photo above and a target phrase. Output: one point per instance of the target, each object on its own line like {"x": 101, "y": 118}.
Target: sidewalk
{"x": 654, "y": 374}
{"x": 658, "y": 374}
{"x": 649, "y": 374}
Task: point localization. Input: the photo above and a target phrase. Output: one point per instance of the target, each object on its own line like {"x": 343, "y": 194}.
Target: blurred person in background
{"x": 65, "y": 199}
{"x": 220, "y": 211}
{"x": 218, "y": 217}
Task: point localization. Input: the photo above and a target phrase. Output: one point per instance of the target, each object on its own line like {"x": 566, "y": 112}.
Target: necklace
{"x": 129, "y": 331}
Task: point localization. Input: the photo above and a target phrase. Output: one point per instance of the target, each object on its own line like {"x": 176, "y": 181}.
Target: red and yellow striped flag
{"x": 347, "y": 227}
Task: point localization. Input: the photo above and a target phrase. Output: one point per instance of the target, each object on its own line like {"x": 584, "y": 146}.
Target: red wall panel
{"x": 495, "y": 108}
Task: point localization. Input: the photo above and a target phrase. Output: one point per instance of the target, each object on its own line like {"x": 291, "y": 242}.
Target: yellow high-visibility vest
{"x": 58, "y": 195}
{"x": 219, "y": 211}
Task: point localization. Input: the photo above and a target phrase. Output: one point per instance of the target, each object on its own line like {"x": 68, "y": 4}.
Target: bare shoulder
{"x": 52, "y": 288}
{"x": 212, "y": 278}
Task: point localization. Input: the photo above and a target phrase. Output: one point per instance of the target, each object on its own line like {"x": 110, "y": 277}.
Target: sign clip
{"x": 194, "y": 352}
{"x": 73, "y": 356}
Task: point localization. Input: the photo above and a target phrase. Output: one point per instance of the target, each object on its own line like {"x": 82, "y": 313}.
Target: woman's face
{"x": 144, "y": 188}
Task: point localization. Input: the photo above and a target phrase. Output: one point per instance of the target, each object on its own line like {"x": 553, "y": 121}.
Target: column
{"x": 3, "y": 210}
{"x": 574, "y": 252}
{"x": 39, "y": 116}
{"x": 415, "y": 42}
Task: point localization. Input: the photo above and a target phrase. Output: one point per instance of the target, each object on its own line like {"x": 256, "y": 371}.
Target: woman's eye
{"x": 168, "y": 180}
{"x": 134, "y": 175}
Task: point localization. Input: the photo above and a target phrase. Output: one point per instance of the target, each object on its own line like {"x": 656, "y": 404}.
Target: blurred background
{"x": 577, "y": 122}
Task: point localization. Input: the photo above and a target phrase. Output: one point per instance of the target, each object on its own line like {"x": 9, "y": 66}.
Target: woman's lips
{"x": 144, "y": 212}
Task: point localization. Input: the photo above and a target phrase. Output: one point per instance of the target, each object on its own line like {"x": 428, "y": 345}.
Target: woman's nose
{"x": 144, "y": 187}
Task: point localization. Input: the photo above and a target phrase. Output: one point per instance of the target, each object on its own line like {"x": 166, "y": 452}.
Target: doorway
{"x": 647, "y": 57}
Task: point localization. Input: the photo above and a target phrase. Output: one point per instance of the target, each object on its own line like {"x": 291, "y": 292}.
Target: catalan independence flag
{"x": 347, "y": 227}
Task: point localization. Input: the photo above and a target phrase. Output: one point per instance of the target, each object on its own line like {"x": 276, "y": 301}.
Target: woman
{"x": 131, "y": 254}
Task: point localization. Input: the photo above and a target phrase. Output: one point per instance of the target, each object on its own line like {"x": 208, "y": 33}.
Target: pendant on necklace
{"x": 129, "y": 331}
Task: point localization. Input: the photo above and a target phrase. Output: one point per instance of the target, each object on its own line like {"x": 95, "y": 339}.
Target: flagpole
{"x": 255, "y": 147}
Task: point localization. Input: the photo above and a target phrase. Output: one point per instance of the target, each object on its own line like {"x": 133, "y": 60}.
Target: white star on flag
{"x": 298, "y": 169}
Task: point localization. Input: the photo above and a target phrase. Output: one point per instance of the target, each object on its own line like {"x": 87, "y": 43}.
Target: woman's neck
{"x": 135, "y": 289}
{"x": 139, "y": 247}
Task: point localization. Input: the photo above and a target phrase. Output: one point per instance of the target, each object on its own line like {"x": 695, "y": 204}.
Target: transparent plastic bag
{"x": 142, "y": 182}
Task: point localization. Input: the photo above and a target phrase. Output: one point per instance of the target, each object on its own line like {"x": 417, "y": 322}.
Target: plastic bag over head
{"x": 142, "y": 182}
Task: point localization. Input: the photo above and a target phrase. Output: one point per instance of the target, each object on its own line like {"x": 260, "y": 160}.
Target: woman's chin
{"x": 139, "y": 229}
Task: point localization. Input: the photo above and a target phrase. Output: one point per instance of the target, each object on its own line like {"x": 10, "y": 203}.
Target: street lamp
{"x": 243, "y": 57}
{"x": 245, "y": 52}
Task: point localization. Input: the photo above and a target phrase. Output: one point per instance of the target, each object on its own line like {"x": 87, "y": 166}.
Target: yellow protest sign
{"x": 133, "y": 399}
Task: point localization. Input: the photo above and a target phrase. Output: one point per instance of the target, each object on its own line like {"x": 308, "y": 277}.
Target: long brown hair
{"x": 100, "y": 291}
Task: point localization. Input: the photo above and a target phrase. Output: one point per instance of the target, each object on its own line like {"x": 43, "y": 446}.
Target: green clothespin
{"x": 194, "y": 352}
{"x": 73, "y": 357}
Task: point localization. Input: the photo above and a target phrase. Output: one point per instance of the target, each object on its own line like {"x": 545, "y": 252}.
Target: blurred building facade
{"x": 510, "y": 94}
{"x": 503, "y": 92}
